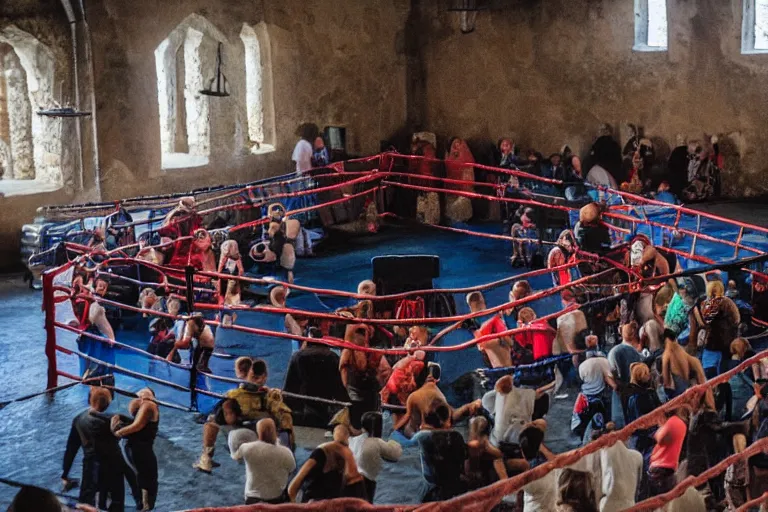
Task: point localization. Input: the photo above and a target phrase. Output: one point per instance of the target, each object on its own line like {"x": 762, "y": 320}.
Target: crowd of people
{"x": 626, "y": 351}
{"x": 687, "y": 336}
{"x": 691, "y": 172}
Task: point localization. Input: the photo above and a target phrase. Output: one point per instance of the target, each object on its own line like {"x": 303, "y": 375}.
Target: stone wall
{"x": 45, "y": 21}
{"x": 550, "y": 72}
{"x": 338, "y": 63}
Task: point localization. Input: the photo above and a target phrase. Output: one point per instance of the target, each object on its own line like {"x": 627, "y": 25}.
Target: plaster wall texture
{"x": 549, "y": 73}
{"x": 332, "y": 63}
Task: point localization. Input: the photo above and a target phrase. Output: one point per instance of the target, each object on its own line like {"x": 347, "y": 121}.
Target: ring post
{"x": 49, "y": 307}
{"x": 189, "y": 275}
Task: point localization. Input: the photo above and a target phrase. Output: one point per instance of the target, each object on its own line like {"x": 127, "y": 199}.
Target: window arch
{"x": 30, "y": 144}
{"x": 181, "y": 60}
{"x": 651, "y": 25}
{"x": 754, "y": 27}
{"x": 258, "y": 88}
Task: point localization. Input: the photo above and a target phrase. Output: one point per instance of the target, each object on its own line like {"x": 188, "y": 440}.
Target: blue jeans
{"x": 710, "y": 360}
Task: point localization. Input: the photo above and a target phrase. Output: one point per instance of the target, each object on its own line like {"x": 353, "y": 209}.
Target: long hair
{"x": 575, "y": 489}
{"x": 372, "y": 423}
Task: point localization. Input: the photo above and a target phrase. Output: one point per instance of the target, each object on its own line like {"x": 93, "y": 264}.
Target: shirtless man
{"x": 520, "y": 290}
{"x": 425, "y": 400}
{"x": 678, "y": 367}
{"x": 495, "y": 351}
{"x": 196, "y": 329}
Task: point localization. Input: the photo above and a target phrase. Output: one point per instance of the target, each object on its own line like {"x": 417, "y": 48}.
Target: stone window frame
{"x": 641, "y": 28}
{"x": 749, "y": 29}
{"x": 38, "y": 62}
{"x": 199, "y": 27}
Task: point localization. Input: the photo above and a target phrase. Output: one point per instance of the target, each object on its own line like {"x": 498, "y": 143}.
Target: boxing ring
{"x": 339, "y": 200}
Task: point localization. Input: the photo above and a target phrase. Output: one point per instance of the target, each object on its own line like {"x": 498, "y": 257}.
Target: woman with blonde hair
{"x": 716, "y": 326}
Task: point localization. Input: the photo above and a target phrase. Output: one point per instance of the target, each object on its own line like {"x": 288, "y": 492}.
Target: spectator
{"x": 621, "y": 357}
{"x": 591, "y": 407}
{"x": 621, "y": 469}
{"x": 664, "y": 195}
{"x": 485, "y": 464}
{"x": 313, "y": 371}
{"x": 322, "y": 476}
{"x": 576, "y": 492}
{"x": 302, "y": 152}
{"x": 370, "y": 450}
{"x": 641, "y": 399}
{"x": 267, "y": 464}
{"x": 320, "y": 155}
{"x": 718, "y": 323}
{"x": 666, "y": 454}
{"x": 443, "y": 453}
{"x": 539, "y": 337}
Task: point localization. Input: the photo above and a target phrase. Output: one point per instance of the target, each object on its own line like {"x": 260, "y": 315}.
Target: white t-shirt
{"x": 622, "y": 469}
{"x": 267, "y": 467}
{"x": 592, "y": 372}
{"x": 597, "y": 175}
{"x": 370, "y": 451}
{"x": 541, "y": 495}
{"x": 302, "y": 155}
{"x": 510, "y": 412}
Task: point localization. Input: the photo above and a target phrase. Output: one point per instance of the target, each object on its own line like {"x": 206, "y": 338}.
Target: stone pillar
{"x": 196, "y": 63}
{"x": 19, "y": 119}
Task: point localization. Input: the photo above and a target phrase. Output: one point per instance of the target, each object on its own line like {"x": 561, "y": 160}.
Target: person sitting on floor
{"x": 250, "y": 401}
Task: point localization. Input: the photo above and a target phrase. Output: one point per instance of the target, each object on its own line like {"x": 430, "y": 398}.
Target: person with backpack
{"x": 641, "y": 399}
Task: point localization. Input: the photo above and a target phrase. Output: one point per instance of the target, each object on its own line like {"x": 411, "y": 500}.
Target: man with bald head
{"x": 267, "y": 463}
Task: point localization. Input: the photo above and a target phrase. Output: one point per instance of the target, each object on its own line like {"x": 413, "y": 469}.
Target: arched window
{"x": 182, "y": 62}
{"x": 650, "y": 25}
{"x": 30, "y": 144}
{"x": 258, "y": 88}
{"x": 754, "y": 27}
